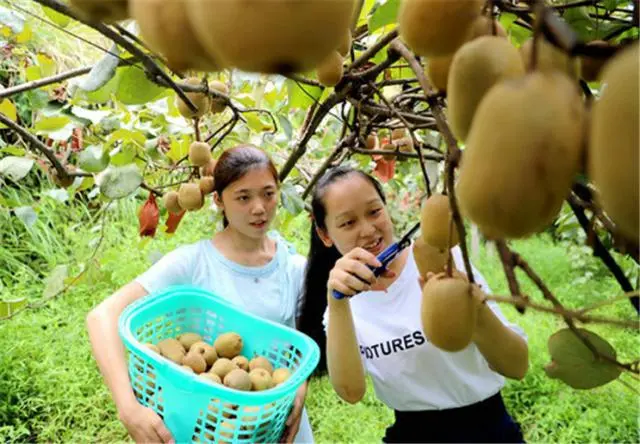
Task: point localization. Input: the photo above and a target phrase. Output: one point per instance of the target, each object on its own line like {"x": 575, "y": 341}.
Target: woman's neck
{"x": 243, "y": 249}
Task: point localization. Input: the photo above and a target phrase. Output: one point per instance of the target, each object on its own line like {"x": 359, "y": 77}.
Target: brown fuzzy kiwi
{"x": 373, "y": 143}
{"x": 435, "y": 222}
{"x": 277, "y": 37}
{"x": 218, "y": 104}
{"x": 539, "y": 148}
{"x": 170, "y": 200}
{"x": 590, "y": 67}
{"x": 242, "y": 362}
{"x": 280, "y": 375}
{"x": 238, "y": 379}
{"x": 330, "y": 70}
{"x": 208, "y": 169}
{"x": 428, "y": 259}
{"x": 437, "y": 71}
{"x": 62, "y": 182}
{"x": 483, "y": 25}
{"x": 222, "y": 366}
{"x": 260, "y": 379}
{"x": 199, "y": 154}
{"x": 187, "y": 368}
{"x": 436, "y": 27}
{"x": 189, "y": 197}
{"x": 164, "y": 26}
{"x": 199, "y": 99}
{"x": 261, "y": 362}
{"x": 152, "y": 347}
{"x": 207, "y": 351}
{"x": 345, "y": 43}
{"x": 442, "y": 296}
{"x": 213, "y": 377}
{"x": 614, "y": 141}
{"x": 196, "y": 361}
{"x": 475, "y": 68}
{"x": 388, "y": 147}
{"x": 206, "y": 185}
{"x": 550, "y": 58}
{"x": 171, "y": 349}
{"x": 228, "y": 345}
{"x": 188, "y": 339}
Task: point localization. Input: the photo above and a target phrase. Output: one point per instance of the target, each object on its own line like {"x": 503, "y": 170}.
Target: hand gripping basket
{"x": 193, "y": 409}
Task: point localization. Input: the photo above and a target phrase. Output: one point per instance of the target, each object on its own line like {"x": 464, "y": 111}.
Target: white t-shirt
{"x": 408, "y": 372}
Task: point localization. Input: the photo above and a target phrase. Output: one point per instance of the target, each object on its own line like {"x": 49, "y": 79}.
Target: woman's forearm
{"x": 506, "y": 352}
{"x": 108, "y": 349}
{"x": 344, "y": 363}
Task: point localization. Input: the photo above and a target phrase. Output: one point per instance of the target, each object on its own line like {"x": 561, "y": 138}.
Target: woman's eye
{"x": 346, "y": 223}
{"x": 243, "y": 198}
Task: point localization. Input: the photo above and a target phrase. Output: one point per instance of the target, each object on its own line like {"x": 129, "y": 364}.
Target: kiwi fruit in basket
{"x": 213, "y": 377}
{"x": 207, "y": 351}
{"x": 261, "y": 362}
{"x": 195, "y": 361}
{"x": 171, "y": 349}
{"x": 280, "y": 375}
{"x": 228, "y": 345}
{"x": 260, "y": 379}
{"x": 238, "y": 379}
{"x": 242, "y": 362}
{"x": 222, "y": 366}
{"x": 152, "y": 347}
{"x": 188, "y": 339}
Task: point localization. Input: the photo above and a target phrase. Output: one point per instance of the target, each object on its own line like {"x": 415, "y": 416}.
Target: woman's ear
{"x": 217, "y": 199}
{"x": 324, "y": 236}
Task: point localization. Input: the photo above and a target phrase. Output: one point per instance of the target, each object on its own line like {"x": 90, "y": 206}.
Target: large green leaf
{"x": 57, "y": 18}
{"x": 302, "y": 96}
{"x": 102, "y": 72}
{"x": 93, "y": 159}
{"x": 15, "y": 168}
{"x": 291, "y": 199}
{"x": 580, "y": 22}
{"x": 574, "y": 364}
{"x": 54, "y": 283}
{"x": 48, "y": 124}
{"x": 386, "y": 14}
{"x": 119, "y": 182}
{"x": 8, "y": 109}
{"x": 95, "y": 116}
{"x": 134, "y": 88}
{"x": 8, "y": 308}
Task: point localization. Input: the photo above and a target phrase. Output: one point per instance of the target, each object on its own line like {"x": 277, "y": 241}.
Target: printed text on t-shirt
{"x": 393, "y": 346}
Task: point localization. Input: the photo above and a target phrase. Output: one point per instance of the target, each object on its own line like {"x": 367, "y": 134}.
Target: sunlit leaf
{"x": 15, "y": 168}
{"x": 59, "y": 194}
{"x": 47, "y": 65}
{"x": 285, "y": 125}
{"x": 25, "y": 35}
{"x": 95, "y": 116}
{"x": 57, "y": 18}
{"x": 302, "y": 96}
{"x": 9, "y": 307}
{"x": 135, "y": 88}
{"x": 13, "y": 150}
{"x": 8, "y": 109}
{"x": 32, "y": 73}
{"x": 125, "y": 135}
{"x": 119, "y": 182}
{"x": 102, "y": 72}
{"x": 12, "y": 20}
{"x": 51, "y": 123}
{"x": 384, "y": 15}
{"x": 27, "y": 215}
{"x": 93, "y": 159}
{"x": 54, "y": 283}
{"x": 178, "y": 149}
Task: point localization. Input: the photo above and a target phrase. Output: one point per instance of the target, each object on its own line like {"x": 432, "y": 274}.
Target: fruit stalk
{"x": 508, "y": 265}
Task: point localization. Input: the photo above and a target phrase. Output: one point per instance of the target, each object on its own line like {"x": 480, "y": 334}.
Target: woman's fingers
{"x": 364, "y": 256}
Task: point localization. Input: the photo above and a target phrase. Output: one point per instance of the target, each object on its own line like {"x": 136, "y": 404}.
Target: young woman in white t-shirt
{"x": 437, "y": 396}
{"x": 244, "y": 263}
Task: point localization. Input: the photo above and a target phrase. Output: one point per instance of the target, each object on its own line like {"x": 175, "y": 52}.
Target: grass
{"x": 50, "y": 389}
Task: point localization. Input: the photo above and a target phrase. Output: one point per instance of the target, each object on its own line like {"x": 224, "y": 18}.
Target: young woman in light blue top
{"x": 244, "y": 263}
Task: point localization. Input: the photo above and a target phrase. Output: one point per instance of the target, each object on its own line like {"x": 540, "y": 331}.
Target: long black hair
{"x": 321, "y": 259}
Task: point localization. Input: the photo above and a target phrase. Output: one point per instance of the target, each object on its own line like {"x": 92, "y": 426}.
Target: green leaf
{"x": 291, "y": 200}
{"x": 13, "y": 150}
{"x": 366, "y": 10}
{"x": 95, "y": 116}
{"x": 580, "y": 22}
{"x": 574, "y": 364}
{"x": 7, "y": 308}
{"x": 302, "y": 96}
{"x": 54, "y": 283}
{"x": 93, "y": 159}
{"x": 48, "y": 124}
{"x": 11, "y": 19}
{"x": 57, "y": 18}
{"x": 125, "y": 155}
{"x": 135, "y": 88}
{"x": 119, "y": 182}
{"x": 32, "y": 73}
{"x": 285, "y": 124}
{"x": 47, "y": 65}
{"x": 178, "y": 149}
{"x": 8, "y": 109}
{"x": 15, "y": 168}
{"x": 384, "y": 15}
{"x": 125, "y": 135}
{"x": 27, "y": 215}
{"x": 102, "y": 72}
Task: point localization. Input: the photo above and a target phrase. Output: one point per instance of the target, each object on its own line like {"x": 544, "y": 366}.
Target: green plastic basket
{"x": 193, "y": 409}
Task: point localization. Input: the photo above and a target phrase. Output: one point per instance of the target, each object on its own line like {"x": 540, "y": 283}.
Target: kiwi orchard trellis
{"x": 418, "y": 106}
